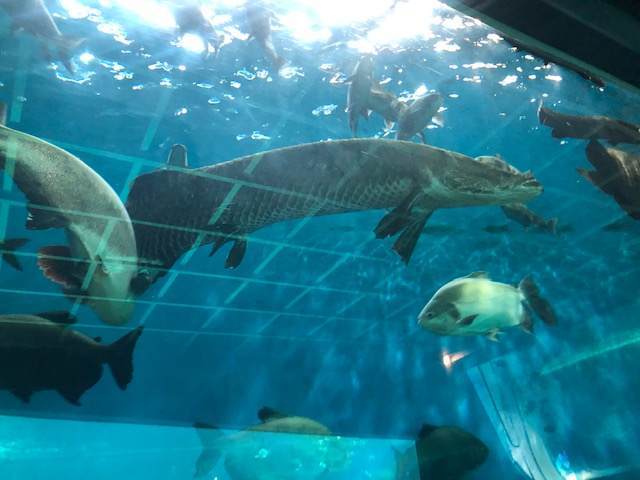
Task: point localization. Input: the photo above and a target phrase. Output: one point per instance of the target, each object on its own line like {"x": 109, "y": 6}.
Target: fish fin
{"x": 426, "y": 430}
{"x": 120, "y": 357}
{"x": 493, "y": 335}
{"x": 438, "y": 119}
{"x": 60, "y": 317}
{"x": 65, "y": 47}
{"x": 58, "y": 270}
{"x": 23, "y": 394}
{"x": 71, "y": 395}
{"x": 388, "y": 124}
{"x": 466, "y": 321}
{"x": 209, "y": 439}
{"x": 527, "y": 322}
{"x": 398, "y": 218}
{"x": 423, "y": 137}
{"x": 8, "y": 256}
{"x": 217, "y": 244}
{"x": 236, "y": 254}
{"x": 480, "y": 274}
{"x": 267, "y": 414}
{"x": 540, "y": 305}
{"x": 552, "y": 225}
{"x": 590, "y": 175}
{"x": 408, "y": 239}
{"x": 38, "y": 219}
{"x": 178, "y": 156}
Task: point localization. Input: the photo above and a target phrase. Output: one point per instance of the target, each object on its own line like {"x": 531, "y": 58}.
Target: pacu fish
{"x": 174, "y": 209}
{"x": 7, "y": 248}
{"x": 190, "y": 19}
{"x": 387, "y": 105}
{"x": 299, "y": 448}
{"x": 617, "y": 173}
{"x": 34, "y": 17}
{"x": 420, "y": 113}
{"x": 476, "y": 305}
{"x": 593, "y": 127}
{"x": 443, "y": 453}
{"x": 358, "y": 95}
{"x": 63, "y": 192}
{"x": 258, "y": 18}
{"x": 41, "y": 352}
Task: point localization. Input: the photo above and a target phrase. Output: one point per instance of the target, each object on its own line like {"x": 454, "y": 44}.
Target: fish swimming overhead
{"x": 594, "y": 127}
{"x": 190, "y": 19}
{"x": 617, "y": 173}
{"x": 299, "y": 448}
{"x": 420, "y": 113}
{"x": 63, "y": 192}
{"x": 386, "y": 105}
{"x": 258, "y": 18}
{"x": 476, "y": 305}
{"x": 174, "y": 210}
{"x": 34, "y": 17}
{"x": 442, "y": 453}
{"x": 358, "y": 95}
{"x": 42, "y": 352}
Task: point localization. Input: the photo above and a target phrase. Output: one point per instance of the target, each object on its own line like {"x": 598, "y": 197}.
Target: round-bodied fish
{"x": 476, "y": 305}
{"x": 418, "y": 115}
{"x": 282, "y": 446}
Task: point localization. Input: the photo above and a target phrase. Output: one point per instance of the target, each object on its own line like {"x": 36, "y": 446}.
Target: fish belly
{"x": 496, "y": 305}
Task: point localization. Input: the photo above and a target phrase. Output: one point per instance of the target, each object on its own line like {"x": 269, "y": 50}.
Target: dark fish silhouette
{"x": 551, "y": 58}
{"x": 617, "y": 173}
{"x": 41, "y": 352}
{"x": 258, "y": 18}
{"x": 358, "y": 95}
{"x": 528, "y": 218}
{"x": 497, "y": 228}
{"x": 174, "y": 209}
{"x": 190, "y": 19}
{"x": 595, "y": 127}
{"x": 33, "y": 17}
{"x": 7, "y": 248}
{"x": 443, "y": 453}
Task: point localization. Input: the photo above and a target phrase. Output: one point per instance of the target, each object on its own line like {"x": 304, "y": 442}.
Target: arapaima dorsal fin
{"x": 178, "y": 156}
{"x": 61, "y": 317}
{"x": 478, "y": 275}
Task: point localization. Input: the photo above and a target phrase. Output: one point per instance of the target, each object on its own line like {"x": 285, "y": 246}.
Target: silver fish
{"x": 476, "y": 305}
{"x": 358, "y": 95}
{"x": 63, "y": 192}
{"x": 420, "y": 113}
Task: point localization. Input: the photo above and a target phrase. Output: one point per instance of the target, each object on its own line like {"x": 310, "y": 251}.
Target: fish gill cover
{"x": 188, "y": 169}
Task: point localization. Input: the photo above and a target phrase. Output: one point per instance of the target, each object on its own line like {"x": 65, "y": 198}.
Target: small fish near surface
{"x": 33, "y": 17}
{"x": 174, "y": 209}
{"x": 42, "y": 352}
{"x": 7, "y": 249}
{"x": 594, "y": 127}
{"x": 190, "y": 19}
{"x": 617, "y": 173}
{"x": 258, "y": 19}
{"x": 359, "y": 93}
{"x": 476, "y": 305}
{"x": 297, "y": 448}
{"x": 418, "y": 115}
{"x": 63, "y": 192}
{"x": 442, "y": 453}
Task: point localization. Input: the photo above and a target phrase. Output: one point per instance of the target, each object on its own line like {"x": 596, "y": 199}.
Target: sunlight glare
{"x": 161, "y": 18}
{"x": 192, "y": 43}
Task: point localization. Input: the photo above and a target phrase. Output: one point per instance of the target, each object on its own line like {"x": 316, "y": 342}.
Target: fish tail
{"x": 120, "y": 357}
{"x": 65, "y": 47}
{"x": 209, "y": 439}
{"x": 540, "y": 305}
{"x": 8, "y": 247}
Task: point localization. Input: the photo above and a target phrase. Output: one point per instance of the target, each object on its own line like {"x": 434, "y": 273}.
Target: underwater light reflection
{"x": 150, "y": 12}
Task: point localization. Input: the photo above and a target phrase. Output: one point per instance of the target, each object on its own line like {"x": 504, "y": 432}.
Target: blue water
{"x": 320, "y": 318}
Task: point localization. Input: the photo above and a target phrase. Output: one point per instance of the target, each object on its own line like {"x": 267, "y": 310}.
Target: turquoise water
{"x": 319, "y": 320}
